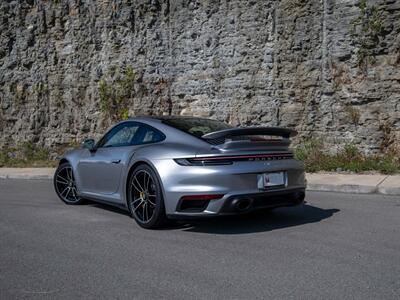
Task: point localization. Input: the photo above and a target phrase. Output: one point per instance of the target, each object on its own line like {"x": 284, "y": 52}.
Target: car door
{"x": 100, "y": 170}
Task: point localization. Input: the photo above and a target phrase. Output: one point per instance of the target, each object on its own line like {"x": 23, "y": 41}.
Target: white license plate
{"x": 268, "y": 180}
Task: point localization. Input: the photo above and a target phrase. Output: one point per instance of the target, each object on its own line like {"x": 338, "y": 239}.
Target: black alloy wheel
{"x": 145, "y": 199}
{"x": 65, "y": 186}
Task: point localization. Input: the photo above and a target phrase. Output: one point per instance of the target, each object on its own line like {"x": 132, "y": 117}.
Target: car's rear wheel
{"x": 65, "y": 185}
{"x": 145, "y": 198}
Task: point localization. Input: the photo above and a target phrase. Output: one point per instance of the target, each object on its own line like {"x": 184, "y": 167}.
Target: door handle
{"x": 116, "y": 161}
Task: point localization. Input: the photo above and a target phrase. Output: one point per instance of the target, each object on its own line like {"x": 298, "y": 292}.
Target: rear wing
{"x": 247, "y": 131}
{"x": 251, "y": 138}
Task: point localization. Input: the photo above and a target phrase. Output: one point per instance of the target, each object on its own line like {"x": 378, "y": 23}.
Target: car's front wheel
{"x": 145, "y": 198}
{"x": 65, "y": 185}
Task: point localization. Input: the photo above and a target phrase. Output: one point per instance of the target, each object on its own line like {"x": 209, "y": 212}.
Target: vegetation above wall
{"x": 29, "y": 155}
{"x": 311, "y": 152}
{"x": 116, "y": 97}
{"x": 367, "y": 30}
{"x": 349, "y": 159}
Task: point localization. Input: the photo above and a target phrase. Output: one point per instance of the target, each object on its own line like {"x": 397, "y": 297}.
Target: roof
{"x": 169, "y": 117}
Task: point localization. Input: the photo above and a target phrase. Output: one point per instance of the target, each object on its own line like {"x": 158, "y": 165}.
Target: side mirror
{"x": 89, "y": 144}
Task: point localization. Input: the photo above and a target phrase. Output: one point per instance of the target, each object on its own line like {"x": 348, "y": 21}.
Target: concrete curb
{"x": 356, "y": 184}
{"x": 324, "y": 182}
{"x": 26, "y": 173}
{"x": 30, "y": 177}
{"x": 390, "y": 186}
{"x": 346, "y": 188}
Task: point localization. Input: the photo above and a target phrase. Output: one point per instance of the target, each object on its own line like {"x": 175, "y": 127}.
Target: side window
{"x": 149, "y": 135}
{"x": 121, "y": 135}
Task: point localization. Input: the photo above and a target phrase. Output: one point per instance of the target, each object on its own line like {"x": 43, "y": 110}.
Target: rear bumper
{"x": 245, "y": 203}
{"x": 236, "y": 181}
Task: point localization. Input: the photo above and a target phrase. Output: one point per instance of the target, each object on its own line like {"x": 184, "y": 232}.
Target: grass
{"x": 349, "y": 159}
{"x": 26, "y": 155}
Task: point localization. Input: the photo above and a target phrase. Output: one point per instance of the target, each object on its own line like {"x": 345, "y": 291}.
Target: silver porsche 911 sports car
{"x": 161, "y": 168}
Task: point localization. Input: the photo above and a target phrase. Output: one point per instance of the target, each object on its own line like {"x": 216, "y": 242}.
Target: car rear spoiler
{"x": 273, "y": 131}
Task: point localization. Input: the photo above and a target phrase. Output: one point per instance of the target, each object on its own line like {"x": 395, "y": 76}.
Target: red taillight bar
{"x": 202, "y": 197}
{"x": 243, "y": 156}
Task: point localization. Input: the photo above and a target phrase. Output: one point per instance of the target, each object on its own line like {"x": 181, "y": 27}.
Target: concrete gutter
{"x": 327, "y": 182}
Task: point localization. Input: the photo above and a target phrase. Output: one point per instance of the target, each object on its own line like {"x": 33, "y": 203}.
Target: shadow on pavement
{"x": 260, "y": 221}
{"x": 108, "y": 207}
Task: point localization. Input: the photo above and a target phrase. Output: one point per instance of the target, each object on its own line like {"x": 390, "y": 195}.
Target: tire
{"x": 64, "y": 185}
{"x": 145, "y": 198}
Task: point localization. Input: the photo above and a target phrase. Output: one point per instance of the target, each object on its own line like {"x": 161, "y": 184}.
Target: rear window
{"x": 197, "y": 127}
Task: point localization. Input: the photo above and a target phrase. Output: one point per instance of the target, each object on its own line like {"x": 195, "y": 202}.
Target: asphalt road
{"x": 336, "y": 246}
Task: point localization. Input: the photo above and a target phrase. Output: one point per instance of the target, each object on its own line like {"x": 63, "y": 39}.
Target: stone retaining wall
{"x": 329, "y": 68}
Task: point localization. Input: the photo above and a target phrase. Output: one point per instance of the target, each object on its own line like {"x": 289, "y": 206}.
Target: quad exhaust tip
{"x": 242, "y": 204}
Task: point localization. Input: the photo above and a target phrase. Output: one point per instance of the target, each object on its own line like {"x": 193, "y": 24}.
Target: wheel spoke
{"x": 67, "y": 171}
{"x": 135, "y": 186}
{"x": 62, "y": 193}
{"x": 147, "y": 212}
{"x": 61, "y": 182}
{"x": 66, "y": 195}
{"x": 74, "y": 193}
{"x": 138, "y": 204}
{"x": 61, "y": 179}
{"x": 148, "y": 182}
{"x": 136, "y": 200}
{"x": 140, "y": 186}
{"x": 144, "y": 180}
{"x": 151, "y": 202}
{"x": 144, "y": 211}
